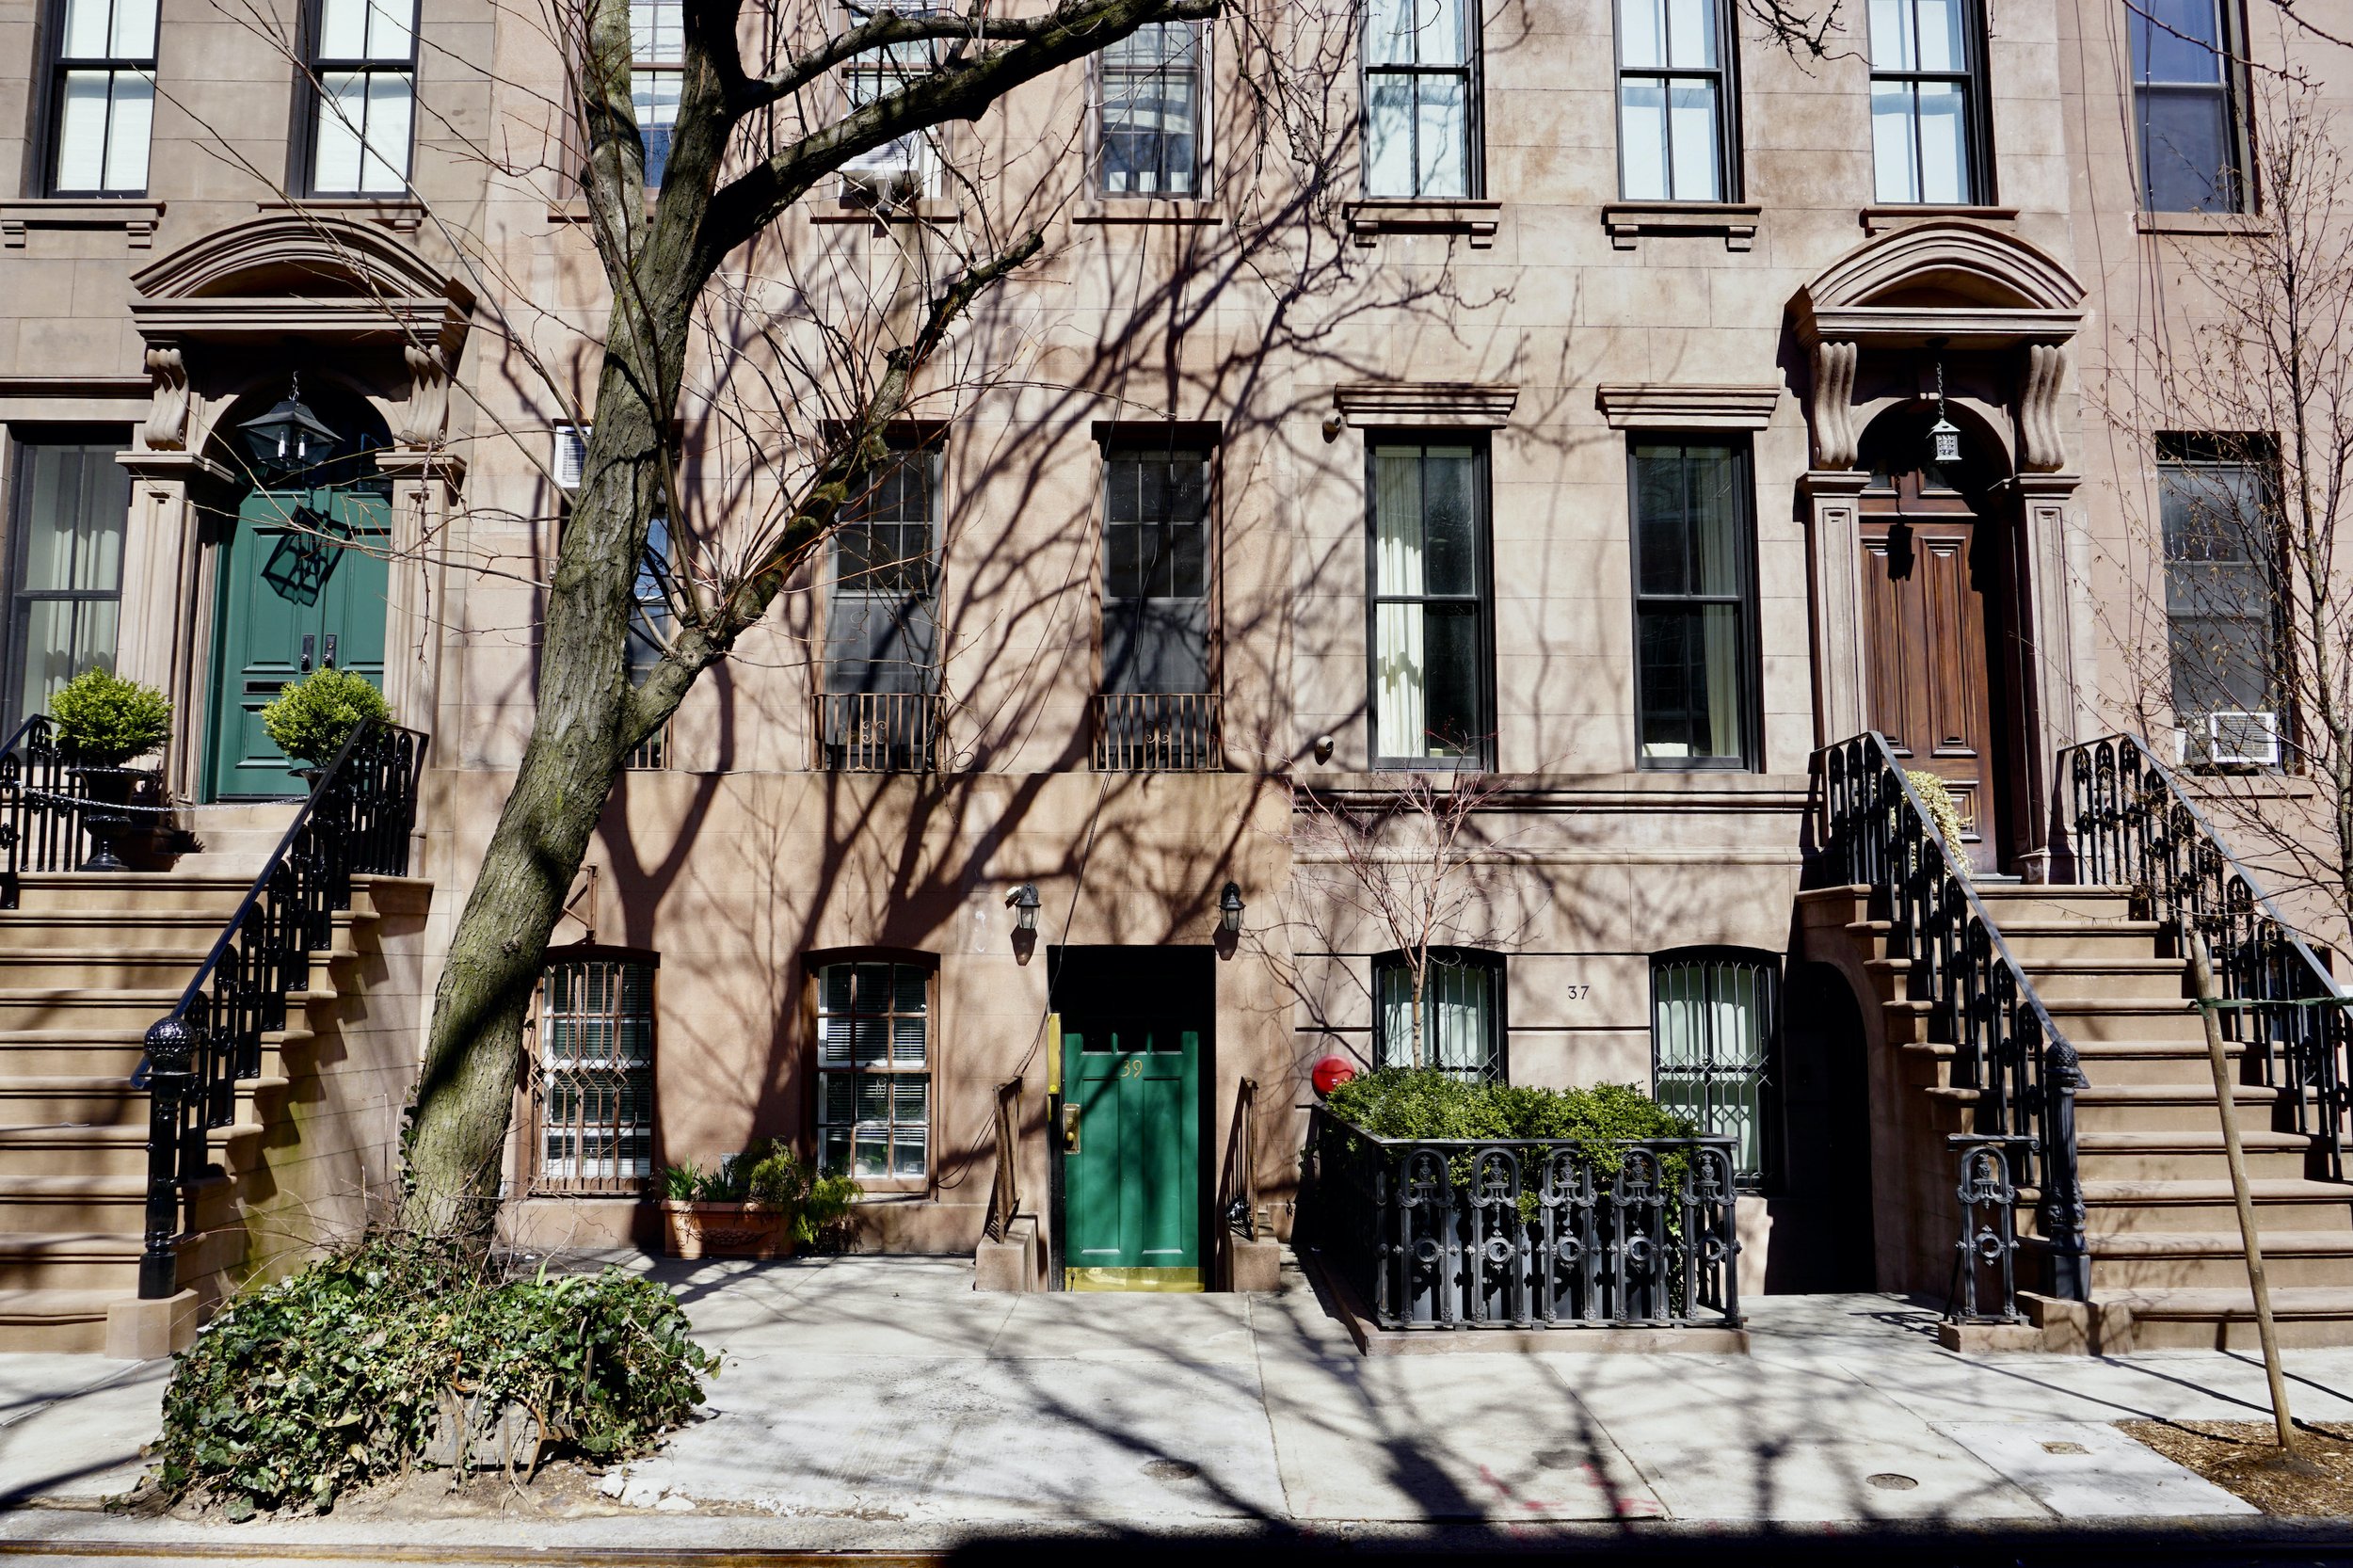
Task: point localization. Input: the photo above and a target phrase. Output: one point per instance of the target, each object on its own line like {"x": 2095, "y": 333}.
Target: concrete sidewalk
{"x": 870, "y": 1402}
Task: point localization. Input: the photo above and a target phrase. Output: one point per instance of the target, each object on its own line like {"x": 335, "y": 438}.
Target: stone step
{"x": 2182, "y": 1066}
{"x": 2111, "y": 1107}
{"x": 2084, "y": 1019}
{"x": 2106, "y": 980}
{"x": 43, "y": 892}
{"x": 2216, "y": 1260}
{"x": 2048, "y": 940}
{"x": 140, "y": 967}
{"x": 104, "y": 1151}
{"x": 78, "y": 1102}
{"x": 57, "y": 1322}
{"x": 70, "y": 1259}
{"x": 65, "y": 1007}
{"x": 2292, "y": 1203}
{"x": 51, "y": 1204}
{"x": 2045, "y": 903}
{"x": 2188, "y": 1156}
{"x": 2224, "y": 1319}
{"x": 116, "y": 1054}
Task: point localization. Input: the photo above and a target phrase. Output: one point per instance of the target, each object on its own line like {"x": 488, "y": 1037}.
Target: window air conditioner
{"x": 885, "y": 177}
{"x": 2244, "y": 739}
{"x": 571, "y": 454}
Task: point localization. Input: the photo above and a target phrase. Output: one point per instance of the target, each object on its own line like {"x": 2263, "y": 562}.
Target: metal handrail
{"x": 2158, "y": 841}
{"x": 197, "y": 1053}
{"x": 1939, "y": 924}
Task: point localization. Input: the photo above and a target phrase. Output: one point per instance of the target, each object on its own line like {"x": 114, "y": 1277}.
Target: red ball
{"x": 1330, "y": 1073}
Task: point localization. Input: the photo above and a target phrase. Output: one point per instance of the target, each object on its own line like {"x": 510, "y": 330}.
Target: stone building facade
{"x": 1567, "y": 429}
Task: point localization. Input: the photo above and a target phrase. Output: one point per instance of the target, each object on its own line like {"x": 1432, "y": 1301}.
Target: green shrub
{"x": 331, "y": 1379}
{"x": 310, "y": 719}
{"x": 105, "y": 720}
{"x": 769, "y": 1173}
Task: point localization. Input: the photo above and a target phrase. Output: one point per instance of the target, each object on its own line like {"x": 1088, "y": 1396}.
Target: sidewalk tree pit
{"x": 333, "y": 1378}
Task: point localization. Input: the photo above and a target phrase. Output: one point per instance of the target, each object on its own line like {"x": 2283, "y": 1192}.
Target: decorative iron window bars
{"x": 357, "y": 822}
{"x": 592, "y": 1081}
{"x": 878, "y": 732}
{"x": 1874, "y": 832}
{"x": 1451, "y": 1233}
{"x": 2131, "y": 824}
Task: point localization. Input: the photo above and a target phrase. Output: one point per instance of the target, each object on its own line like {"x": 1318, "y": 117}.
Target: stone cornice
{"x": 1466, "y": 404}
{"x": 1688, "y": 405}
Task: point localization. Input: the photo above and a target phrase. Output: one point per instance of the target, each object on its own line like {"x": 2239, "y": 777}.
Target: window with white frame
{"x": 104, "y": 97}
{"x": 364, "y": 62}
{"x": 900, "y": 169}
{"x": 1149, "y": 137}
{"x": 594, "y": 1087}
{"x": 1674, "y": 102}
{"x": 1712, "y": 1023}
{"x": 1421, "y": 99}
{"x": 2185, "y": 103}
{"x": 2220, "y": 515}
{"x": 873, "y": 1069}
{"x": 1429, "y": 604}
{"x": 1926, "y": 101}
{"x": 657, "y": 47}
{"x": 1461, "y": 1013}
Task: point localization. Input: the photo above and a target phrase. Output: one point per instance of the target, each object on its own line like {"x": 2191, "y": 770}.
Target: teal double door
{"x": 1132, "y": 1156}
{"x": 301, "y": 584}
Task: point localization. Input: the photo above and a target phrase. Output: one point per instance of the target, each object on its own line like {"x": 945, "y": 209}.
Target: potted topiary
{"x": 310, "y": 719}
{"x": 747, "y": 1206}
{"x": 104, "y": 721}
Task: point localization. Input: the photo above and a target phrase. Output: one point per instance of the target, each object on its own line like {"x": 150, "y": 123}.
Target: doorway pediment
{"x": 300, "y": 274}
{"x": 1961, "y": 283}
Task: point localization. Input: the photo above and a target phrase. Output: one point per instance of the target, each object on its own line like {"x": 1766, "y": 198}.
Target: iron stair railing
{"x": 2132, "y": 823}
{"x": 1875, "y": 831}
{"x": 43, "y": 807}
{"x": 356, "y": 821}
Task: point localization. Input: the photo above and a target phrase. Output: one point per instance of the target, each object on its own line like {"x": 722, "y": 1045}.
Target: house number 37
{"x": 1578, "y": 990}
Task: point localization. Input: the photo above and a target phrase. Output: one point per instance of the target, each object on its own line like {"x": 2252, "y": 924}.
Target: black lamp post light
{"x": 1023, "y": 902}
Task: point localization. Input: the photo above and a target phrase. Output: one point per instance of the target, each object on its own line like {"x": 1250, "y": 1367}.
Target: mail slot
{"x": 264, "y": 688}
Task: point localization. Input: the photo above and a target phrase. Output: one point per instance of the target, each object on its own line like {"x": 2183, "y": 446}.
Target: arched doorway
{"x": 1936, "y": 575}
{"x": 300, "y": 580}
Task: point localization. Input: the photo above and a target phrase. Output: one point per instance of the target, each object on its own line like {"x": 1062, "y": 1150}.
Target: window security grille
{"x": 1712, "y": 1027}
{"x": 594, "y": 1089}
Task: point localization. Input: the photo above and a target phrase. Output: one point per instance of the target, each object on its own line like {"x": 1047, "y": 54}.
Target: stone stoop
{"x": 87, "y": 963}
{"x": 2168, "y": 1264}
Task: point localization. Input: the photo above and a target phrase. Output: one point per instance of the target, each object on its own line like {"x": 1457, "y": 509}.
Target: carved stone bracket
{"x": 166, "y": 426}
{"x": 428, "y": 419}
{"x": 1833, "y": 403}
{"x": 2038, "y": 408}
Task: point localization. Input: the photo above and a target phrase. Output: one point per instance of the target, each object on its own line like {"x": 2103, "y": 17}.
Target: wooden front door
{"x": 1131, "y": 1140}
{"x": 301, "y": 583}
{"x": 1930, "y": 565}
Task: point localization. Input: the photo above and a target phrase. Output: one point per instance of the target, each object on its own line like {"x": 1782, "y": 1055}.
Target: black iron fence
{"x": 1449, "y": 1234}
{"x": 45, "y": 808}
{"x": 878, "y": 732}
{"x": 1874, "y": 831}
{"x": 1157, "y": 732}
{"x": 2132, "y": 823}
{"x": 356, "y": 821}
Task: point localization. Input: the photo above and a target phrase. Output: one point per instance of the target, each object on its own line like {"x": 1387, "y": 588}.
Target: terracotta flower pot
{"x": 725, "y": 1230}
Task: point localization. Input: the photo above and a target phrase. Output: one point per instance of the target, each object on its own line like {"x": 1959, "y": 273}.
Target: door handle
{"x": 331, "y": 650}
{"x": 1070, "y": 1130}
{"x": 310, "y": 647}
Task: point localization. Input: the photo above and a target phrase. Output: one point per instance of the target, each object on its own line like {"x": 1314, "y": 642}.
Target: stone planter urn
{"x": 106, "y": 815}
{"x": 725, "y": 1230}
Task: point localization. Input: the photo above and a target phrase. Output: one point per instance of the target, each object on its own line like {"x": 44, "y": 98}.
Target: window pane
{"x": 1440, "y": 23}
{"x": 1398, "y": 680}
{"x": 1450, "y": 537}
{"x": 127, "y": 136}
{"x": 389, "y": 101}
{"x": 1939, "y": 39}
{"x": 1943, "y": 143}
{"x": 82, "y": 130}
{"x": 657, "y": 29}
{"x": 1711, "y": 1030}
{"x": 1444, "y": 138}
{"x": 1641, "y": 33}
{"x": 388, "y": 28}
{"x": 1390, "y": 31}
{"x": 1396, "y": 521}
{"x": 342, "y": 110}
{"x": 2175, "y": 40}
{"x": 1643, "y": 140}
{"x": 1389, "y": 136}
{"x": 343, "y": 29}
{"x": 2186, "y": 151}
{"x": 1894, "y": 46}
{"x": 86, "y": 30}
{"x": 1892, "y": 142}
{"x": 1451, "y": 709}
{"x": 133, "y": 32}
{"x": 1692, "y": 110}
{"x": 1691, "y": 33}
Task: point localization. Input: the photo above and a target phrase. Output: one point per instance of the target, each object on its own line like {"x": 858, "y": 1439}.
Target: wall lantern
{"x": 1944, "y": 436}
{"x": 290, "y": 437}
{"x": 1022, "y": 900}
{"x": 1229, "y": 908}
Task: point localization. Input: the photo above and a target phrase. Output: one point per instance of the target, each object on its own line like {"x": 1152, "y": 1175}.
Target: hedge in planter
{"x": 104, "y": 721}
{"x": 310, "y": 719}
{"x": 333, "y": 1377}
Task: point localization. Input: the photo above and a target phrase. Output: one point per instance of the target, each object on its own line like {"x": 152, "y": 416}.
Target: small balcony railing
{"x": 1157, "y": 733}
{"x": 876, "y": 731}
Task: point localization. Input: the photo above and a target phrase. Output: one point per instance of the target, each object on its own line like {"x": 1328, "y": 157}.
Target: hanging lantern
{"x": 1944, "y": 440}
{"x": 290, "y": 437}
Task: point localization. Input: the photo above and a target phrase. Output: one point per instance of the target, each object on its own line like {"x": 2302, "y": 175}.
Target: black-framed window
{"x": 593, "y": 1089}
{"x": 65, "y": 578}
{"x": 1675, "y": 110}
{"x": 882, "y": 621}
{"x": 874, "y": 1070}
{"x": 1432, "y": 602}
{"x": 1714, "y": 1018}
{"x": 1462, "y": 1029}
{"x": 1156, "y": 568}
{"x": 1927, "y": 102}
{"x": 1421, "y": 114}
{"x": 102, "y": 95}
{"x": 2218, "y": 510}
{"x": 1694, "y": 604}
{"x": 1150, "y": 137}
{"x": 2187, "y": 105}
{"x": 657, "y": 47}
{"x": 364, "y": 60}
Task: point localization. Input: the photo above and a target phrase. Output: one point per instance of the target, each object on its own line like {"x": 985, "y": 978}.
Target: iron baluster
{"x": 1988, "y": 1195}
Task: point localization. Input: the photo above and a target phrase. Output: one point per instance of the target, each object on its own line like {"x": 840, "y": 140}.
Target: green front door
{"x": 301, "y": 583}
{"x": 1131, "y": 1125}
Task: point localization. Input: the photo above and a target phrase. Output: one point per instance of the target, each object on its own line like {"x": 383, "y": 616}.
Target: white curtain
{"x": 1399, "y": 725}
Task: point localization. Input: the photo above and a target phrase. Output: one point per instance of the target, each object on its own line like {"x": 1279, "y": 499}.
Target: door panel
{"x": 1132, "y": 1211}
{"x": 301, "y": 583}
{"x": 1925, "y": 644}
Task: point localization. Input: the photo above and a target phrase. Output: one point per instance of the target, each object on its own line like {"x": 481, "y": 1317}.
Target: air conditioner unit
{"x": 885, "y": 177}
{"x": 2243, "y": 739}
{"x": 571, "y": 454}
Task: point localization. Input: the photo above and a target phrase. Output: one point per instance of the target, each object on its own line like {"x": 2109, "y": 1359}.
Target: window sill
{"x": 1377, "y": 215}
{"x": 137, "y": 217}
{"x": 400, "y": 216}
{"x": 1629, "y": 221}
{"x": 1880, "y": 220}
{"x": 1148, "y": 209}
{"x": 929, "y": 210}
{"x": 2199, "y": 223}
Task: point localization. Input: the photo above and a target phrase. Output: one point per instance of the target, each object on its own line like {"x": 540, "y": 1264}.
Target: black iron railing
{"x": 878, "y": 732}
{"x": 43, "y": 808}
{"x": 1448, "y": 1234}
{"x": 1985, "y": 1263}
{"x": 1157, "y": 732}
{"x": 1874, "y": 831}
{"x": 355, "y": 822}
{"x": 2131, "y": 824}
